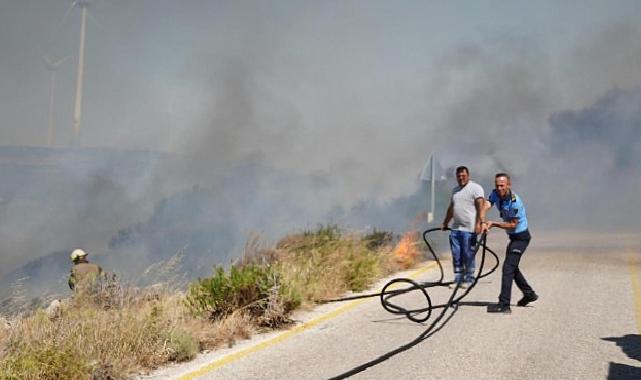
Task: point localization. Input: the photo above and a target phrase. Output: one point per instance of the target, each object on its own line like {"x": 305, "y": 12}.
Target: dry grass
{"x": 139, "y": 329}
{"x": 111, "y": 330}
{"x": 4, "y": 334}
{"x": 325, "y": 264}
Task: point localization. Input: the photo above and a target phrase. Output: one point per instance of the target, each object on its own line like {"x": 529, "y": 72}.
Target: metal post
{"x": 433, "y": 179}
{"x": 77, "y": 112}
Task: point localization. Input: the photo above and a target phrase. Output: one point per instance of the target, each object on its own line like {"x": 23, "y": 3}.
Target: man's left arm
{"x": 504, "y": 225}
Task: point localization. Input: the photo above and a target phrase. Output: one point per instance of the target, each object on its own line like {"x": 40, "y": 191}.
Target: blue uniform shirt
{"x": 510, "y": 209}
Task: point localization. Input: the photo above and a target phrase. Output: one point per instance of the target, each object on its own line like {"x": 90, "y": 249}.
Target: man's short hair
{"x": 462, "y": 169}
{"x": 503, "y": 175}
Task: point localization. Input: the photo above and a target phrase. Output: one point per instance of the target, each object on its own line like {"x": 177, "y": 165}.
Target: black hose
{"x": 385, "y": 294}
{"x": 453, "y": 301}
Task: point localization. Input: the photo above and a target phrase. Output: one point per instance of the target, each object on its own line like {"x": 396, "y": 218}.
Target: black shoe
{"x": 504, "y": 309}
{"x": 527, "y": 299}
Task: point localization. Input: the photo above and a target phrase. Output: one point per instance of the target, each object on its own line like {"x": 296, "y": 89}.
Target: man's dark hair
{"x": 462, "y": 169}
{"x": 502, "y": 175}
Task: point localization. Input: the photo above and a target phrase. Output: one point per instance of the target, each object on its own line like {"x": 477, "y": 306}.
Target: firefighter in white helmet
{"x": 82, "y": 271}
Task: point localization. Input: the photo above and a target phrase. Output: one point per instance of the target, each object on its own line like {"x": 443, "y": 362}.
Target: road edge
{"x": 233, "y": 356}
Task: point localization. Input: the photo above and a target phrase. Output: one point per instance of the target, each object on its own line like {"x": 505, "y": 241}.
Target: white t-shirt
{"x": 464, "y": 216}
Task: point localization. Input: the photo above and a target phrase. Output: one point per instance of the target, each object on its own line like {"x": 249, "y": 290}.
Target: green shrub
{"x": 362, "y": 269}
{"x": 44, "y": 362}
{"x": 291, "y": 295}
{"x": 224, "y": 292}
{"x": 183, "y": 346}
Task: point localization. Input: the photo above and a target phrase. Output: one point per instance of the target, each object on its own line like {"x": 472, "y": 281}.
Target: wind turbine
{"x": 52, "y": 67}
{"x": 77, "y": 110}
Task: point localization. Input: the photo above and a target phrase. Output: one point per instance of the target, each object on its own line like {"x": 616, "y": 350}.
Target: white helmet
{"x": 77, "y": 253}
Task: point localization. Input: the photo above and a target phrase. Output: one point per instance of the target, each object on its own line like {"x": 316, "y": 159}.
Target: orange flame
{"x": 407, "y": 250}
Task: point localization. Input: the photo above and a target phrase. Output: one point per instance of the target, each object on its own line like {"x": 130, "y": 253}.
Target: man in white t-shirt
{"x": 466, "y": 212}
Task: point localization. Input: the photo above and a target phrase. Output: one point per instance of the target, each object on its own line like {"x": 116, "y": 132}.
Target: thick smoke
{"x": 205, "y": 123}
{"x": 611, "y": 128}
{"x": 592, "y": 168}
{"x": 502, "y": 108}
{"x": 493, "y": 99}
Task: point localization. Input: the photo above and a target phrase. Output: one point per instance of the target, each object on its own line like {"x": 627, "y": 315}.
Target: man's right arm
{"x": 485, "y": 206}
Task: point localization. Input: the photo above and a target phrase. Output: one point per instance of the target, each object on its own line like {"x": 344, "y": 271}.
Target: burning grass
{"x": 115, "y": 330}
{"x": 408, "y": 250}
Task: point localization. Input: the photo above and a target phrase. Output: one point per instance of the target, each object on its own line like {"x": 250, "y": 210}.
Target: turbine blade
{"x": 61, "y": 60}
{"x": 64, "y": 18}
{"x": 95, "y": 21}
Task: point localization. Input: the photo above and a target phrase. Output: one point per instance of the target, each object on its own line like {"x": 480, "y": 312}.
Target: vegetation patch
{"x": 242, "y": 287}
{"x": 113, "y": 331}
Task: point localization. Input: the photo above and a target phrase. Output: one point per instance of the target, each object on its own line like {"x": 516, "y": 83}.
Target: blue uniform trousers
{"x": 515, "y": 249}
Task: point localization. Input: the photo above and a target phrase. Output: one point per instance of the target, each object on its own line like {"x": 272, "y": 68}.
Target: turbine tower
{"x": 52, "y": 67}
{"x": 77, "y": 110}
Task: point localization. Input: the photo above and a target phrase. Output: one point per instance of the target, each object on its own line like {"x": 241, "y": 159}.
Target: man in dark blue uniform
{"x": 512, "y": 211}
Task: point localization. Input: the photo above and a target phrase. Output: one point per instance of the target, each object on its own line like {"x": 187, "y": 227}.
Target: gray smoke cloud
{"x": 206, "y": 121}
{"x": 596, "y": 151}
{"x": 494, "y": 98}
{"x": 572, "y": 151}
{"x": 611, "y": 128}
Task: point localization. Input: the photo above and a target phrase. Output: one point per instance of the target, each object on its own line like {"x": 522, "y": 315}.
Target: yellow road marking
{"x": 287, "y": 334}
{"x": 636, "y": 288}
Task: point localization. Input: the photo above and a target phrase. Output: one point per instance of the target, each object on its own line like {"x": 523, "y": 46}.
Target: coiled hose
{"x": 385, "y": 296}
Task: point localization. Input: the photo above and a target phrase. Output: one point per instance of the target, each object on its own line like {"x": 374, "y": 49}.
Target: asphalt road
{"x": 586, "y": 325}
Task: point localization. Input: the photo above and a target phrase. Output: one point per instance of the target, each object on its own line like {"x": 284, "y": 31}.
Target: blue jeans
{"x": 462, "y": 244}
